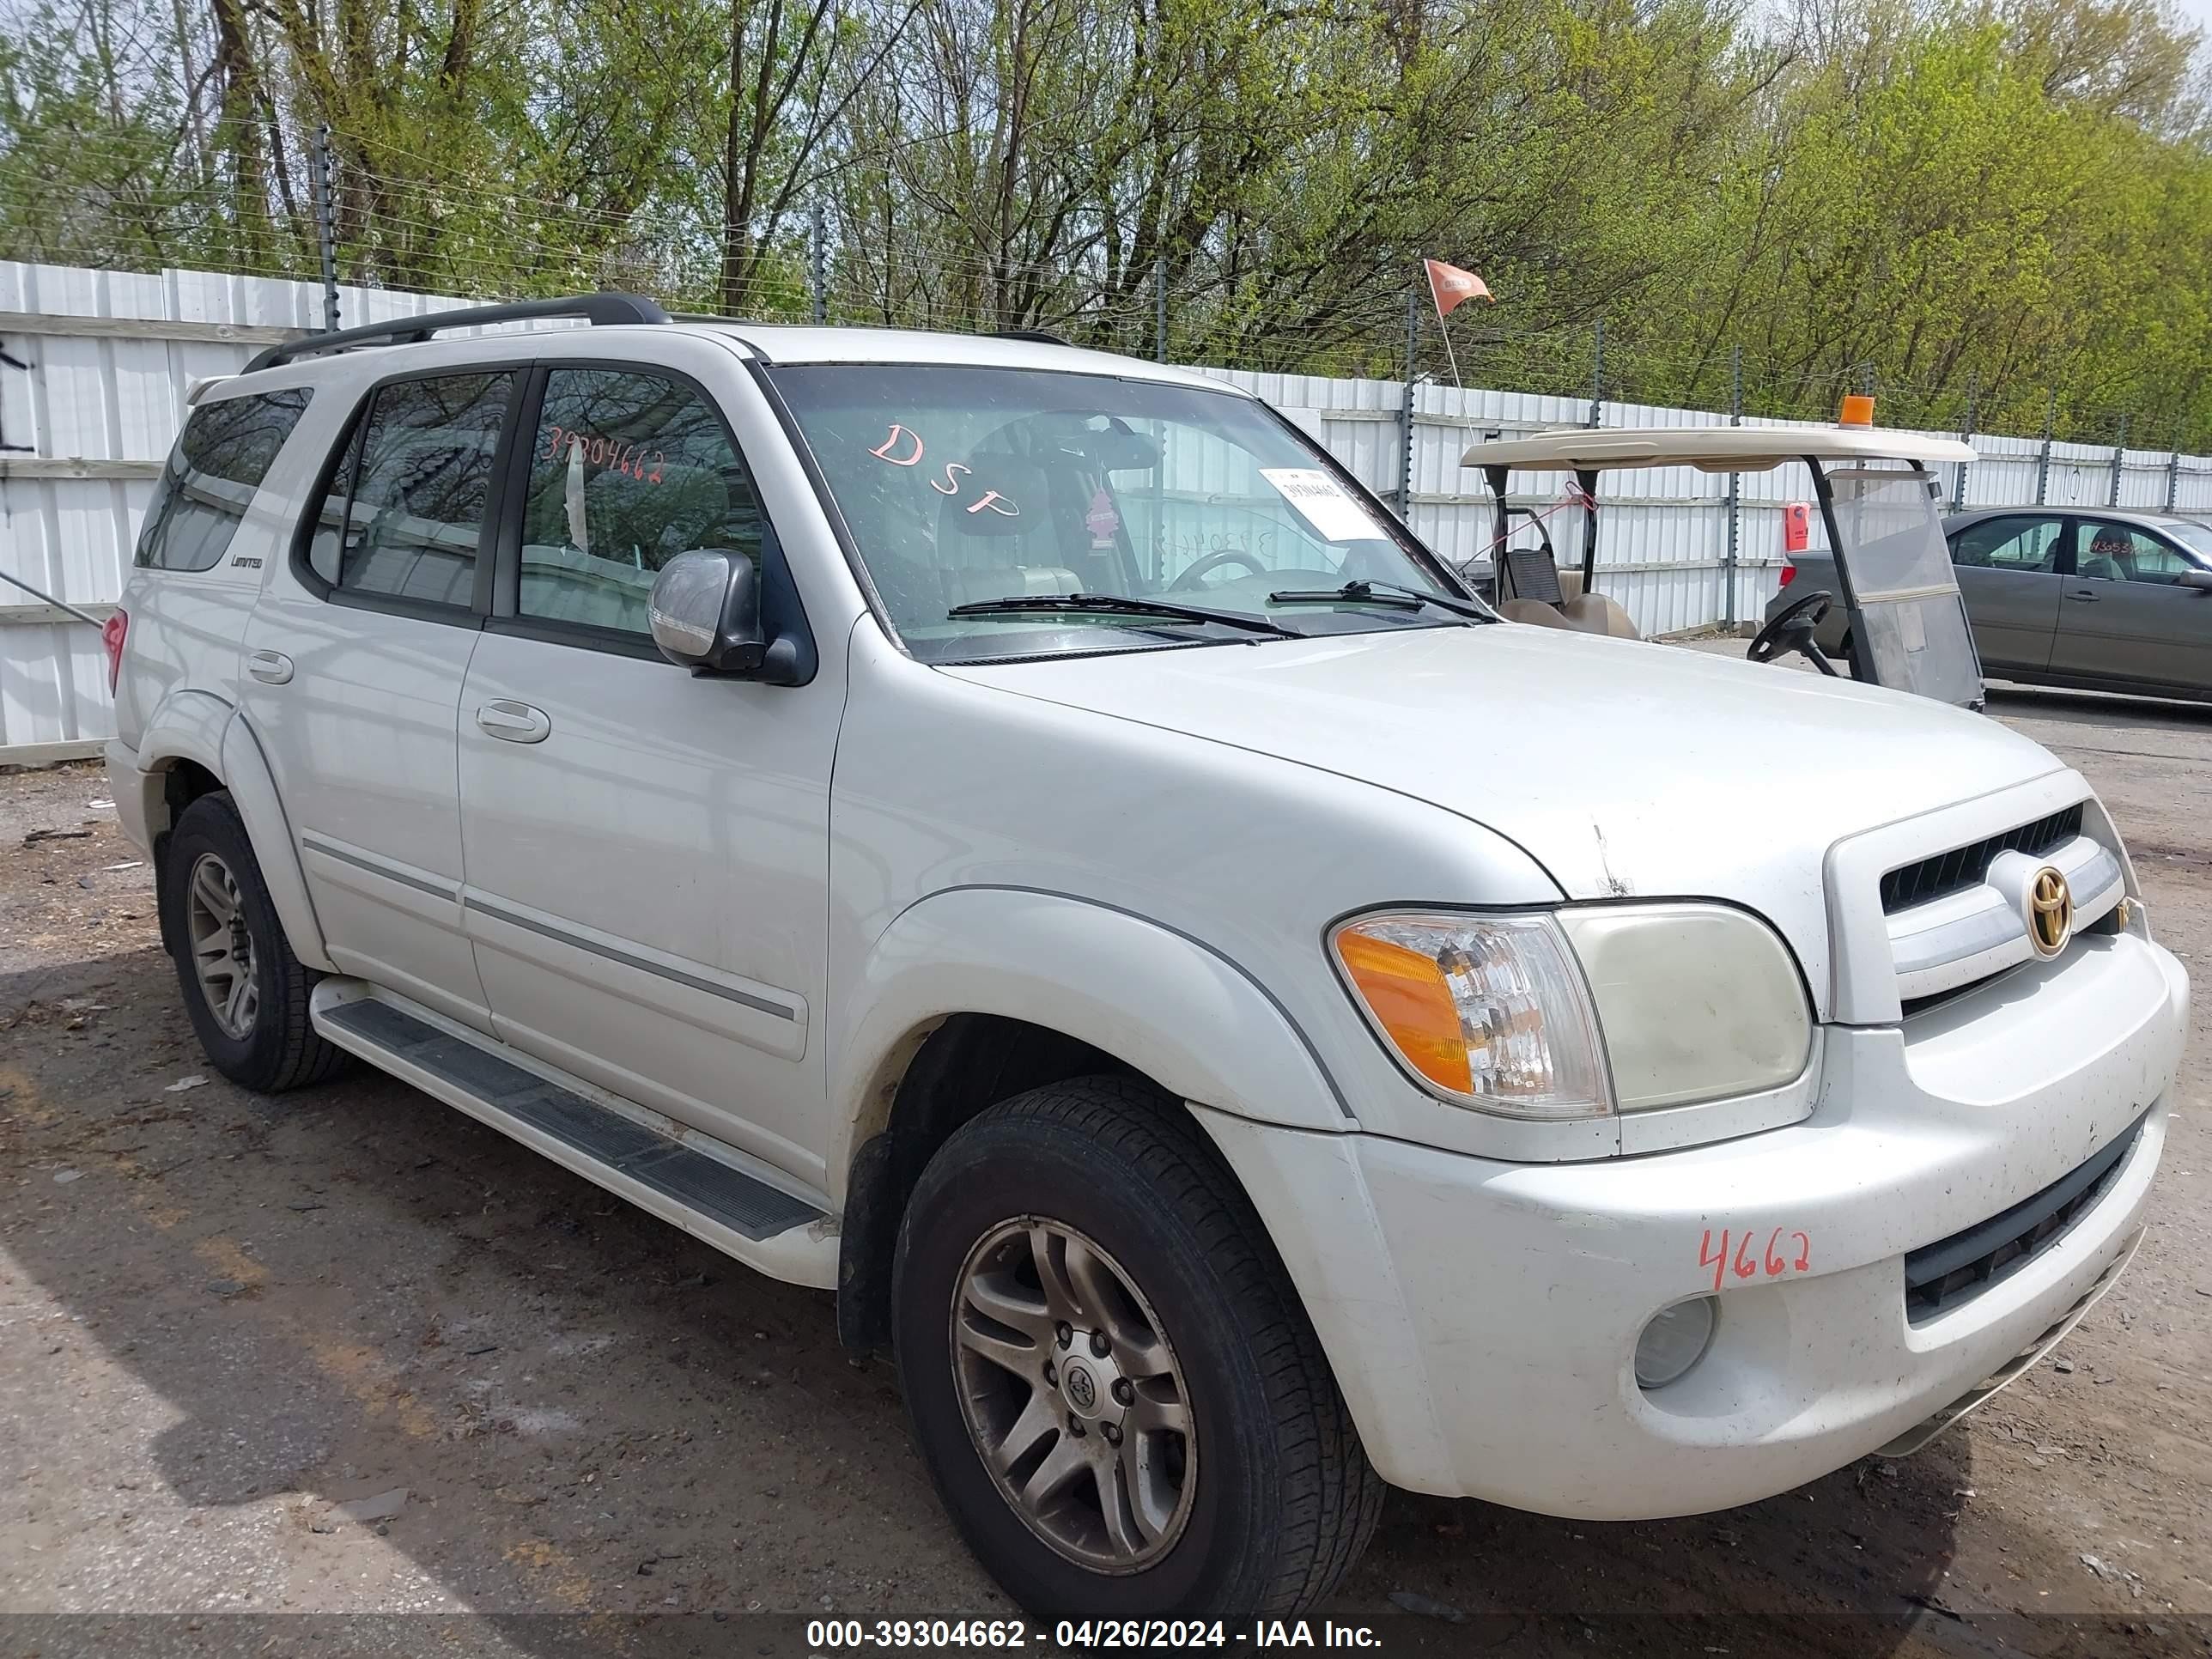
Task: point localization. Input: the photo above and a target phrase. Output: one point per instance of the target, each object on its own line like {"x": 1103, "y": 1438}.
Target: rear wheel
{"x": 245, "y": 992}
{"x": 1111, "y": 1378}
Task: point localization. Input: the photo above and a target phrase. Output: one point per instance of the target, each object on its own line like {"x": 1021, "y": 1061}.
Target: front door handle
{"x": 2082, "y": 596}
{"x": 270, "y": 667}
{"x": 514, "y": 722}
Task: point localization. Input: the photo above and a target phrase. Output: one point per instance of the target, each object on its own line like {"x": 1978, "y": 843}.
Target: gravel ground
{"x": 348, "y": 1352}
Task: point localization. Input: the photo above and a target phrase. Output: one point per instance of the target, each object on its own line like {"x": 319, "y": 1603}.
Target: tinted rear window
{"x": 222, "y": 456}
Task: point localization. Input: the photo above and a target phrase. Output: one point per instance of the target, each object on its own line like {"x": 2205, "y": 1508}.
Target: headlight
{"x": 1504, "y": 1013}
{"x": 1490, "y": 1011}
{"x": 1697, "y": 1002}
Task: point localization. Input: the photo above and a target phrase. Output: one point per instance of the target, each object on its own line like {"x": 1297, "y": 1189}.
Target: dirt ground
{"x": 224, "y": 1318}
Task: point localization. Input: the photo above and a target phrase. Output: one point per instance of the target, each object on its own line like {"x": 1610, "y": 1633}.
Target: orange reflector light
{"x": 1858, "y": 410}
{"x": 1406, "y": 993}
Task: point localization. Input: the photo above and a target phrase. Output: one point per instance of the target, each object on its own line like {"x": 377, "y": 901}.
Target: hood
{"x": 1624, "y": 768}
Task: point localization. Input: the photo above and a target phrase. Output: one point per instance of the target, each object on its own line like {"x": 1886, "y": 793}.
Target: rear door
{"x": 2008, "y": 570}
{"x": 647, "y": 851}
{"x": 2126, "y": 615}
{"x": 353, "y": 668}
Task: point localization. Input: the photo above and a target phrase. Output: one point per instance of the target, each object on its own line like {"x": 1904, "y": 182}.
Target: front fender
{"x": 1177, "y": 1009}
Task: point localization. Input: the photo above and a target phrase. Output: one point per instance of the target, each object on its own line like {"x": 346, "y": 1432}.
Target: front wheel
{"x": 1112, "y": 1381}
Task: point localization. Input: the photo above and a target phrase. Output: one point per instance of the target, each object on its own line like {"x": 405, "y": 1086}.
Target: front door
{"x": 2126, "y": 614}
{"x": 355, "y": 658}
{"x": 2008, "y": 572}
{"x": 647, "y": 851}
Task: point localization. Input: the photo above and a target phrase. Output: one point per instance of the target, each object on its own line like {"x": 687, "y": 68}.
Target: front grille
{"x": 1953, "y": 1271}
{"x": 1963, "y": 867}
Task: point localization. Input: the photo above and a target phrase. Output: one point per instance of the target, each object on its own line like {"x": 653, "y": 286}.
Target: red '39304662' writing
{"x": 631, "y": 460}
{"x": 1785, "y": 1252}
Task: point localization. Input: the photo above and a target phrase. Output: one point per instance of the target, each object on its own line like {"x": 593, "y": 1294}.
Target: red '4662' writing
{"x": 1785, "y": 1252}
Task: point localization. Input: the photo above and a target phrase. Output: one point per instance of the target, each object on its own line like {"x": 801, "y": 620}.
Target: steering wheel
{"x": 1214, "y": 560}
{"x": 1791, "y": 630}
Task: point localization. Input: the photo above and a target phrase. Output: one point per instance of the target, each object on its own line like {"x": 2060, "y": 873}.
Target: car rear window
{"x": 222, "y": 456}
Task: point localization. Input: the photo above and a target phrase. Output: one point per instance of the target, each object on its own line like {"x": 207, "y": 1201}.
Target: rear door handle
{"x": 270, "y": 667}
{"x": 2082, "y": 596}
{"x": 514, "y": 722}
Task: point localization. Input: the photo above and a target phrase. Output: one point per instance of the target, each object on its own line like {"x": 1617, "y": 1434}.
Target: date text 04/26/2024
{"x": 828, "y": 1635}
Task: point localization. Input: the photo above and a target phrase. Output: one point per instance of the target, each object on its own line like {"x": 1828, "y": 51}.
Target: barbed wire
{"x": 449, "y": 233}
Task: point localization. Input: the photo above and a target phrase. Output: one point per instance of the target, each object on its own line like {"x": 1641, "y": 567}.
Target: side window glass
{"x": 2025, "y": 545}
{"x": 222, "y": 456}
{"x": 630, "y": 469}
{"x": 404, "y": 514}
{"x": 2122, "y": 553}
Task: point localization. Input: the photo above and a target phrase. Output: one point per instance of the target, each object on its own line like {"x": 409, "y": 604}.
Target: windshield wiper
{"x": 1119, "y": 605}
{"x": 1391, "y": 595}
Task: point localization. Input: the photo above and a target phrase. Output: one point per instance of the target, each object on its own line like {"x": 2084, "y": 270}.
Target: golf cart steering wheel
{"x": 1792, "y": 630}
{"x": 1214, "y": 560}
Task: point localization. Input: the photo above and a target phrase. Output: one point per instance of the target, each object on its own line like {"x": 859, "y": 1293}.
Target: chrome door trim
{"x": 314, "y": 843}
{"x": 560, "y": 935}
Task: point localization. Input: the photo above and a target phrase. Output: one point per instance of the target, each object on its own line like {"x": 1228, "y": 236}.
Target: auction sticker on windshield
{"x": 1334, "y": 514}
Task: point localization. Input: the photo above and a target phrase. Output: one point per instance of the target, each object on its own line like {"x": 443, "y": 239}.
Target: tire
{"x": 1268, "y": 1499}
{"x": 248, "y": 1004}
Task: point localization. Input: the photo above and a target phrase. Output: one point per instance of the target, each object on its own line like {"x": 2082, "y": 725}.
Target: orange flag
{"x": 1449, "y": 286}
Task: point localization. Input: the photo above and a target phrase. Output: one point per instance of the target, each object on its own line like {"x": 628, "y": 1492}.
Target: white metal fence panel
{"x": 100, "y": 362}
{"x": 106, "y": 359}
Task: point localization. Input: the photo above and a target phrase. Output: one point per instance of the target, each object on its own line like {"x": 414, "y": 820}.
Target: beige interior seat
{"x": 1537, "y": 591}
{"x": 1534, "y": 612}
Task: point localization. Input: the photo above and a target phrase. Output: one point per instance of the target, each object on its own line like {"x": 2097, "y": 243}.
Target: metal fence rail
{"x": 95, "y": 366}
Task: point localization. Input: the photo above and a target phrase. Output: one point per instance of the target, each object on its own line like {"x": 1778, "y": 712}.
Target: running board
{"x": 662, "y": 1170}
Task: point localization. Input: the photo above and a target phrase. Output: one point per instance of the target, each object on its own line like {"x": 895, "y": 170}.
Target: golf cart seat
{"x": 1533, "y": 589}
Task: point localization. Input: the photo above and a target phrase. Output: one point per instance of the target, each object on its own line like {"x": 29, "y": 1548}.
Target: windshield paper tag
{"x": 1322, "y": 503}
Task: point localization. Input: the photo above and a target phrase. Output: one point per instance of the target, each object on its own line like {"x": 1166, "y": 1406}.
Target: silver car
{"x": 2106, "y": 600}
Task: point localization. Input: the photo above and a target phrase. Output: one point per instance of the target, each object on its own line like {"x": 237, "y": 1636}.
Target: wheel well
{"x": 968, "y": 1062}
{"x": 182, "y": 782}
{"x": 185, "y": 782}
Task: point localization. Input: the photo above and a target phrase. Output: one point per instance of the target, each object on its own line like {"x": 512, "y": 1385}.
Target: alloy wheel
{"x": 1073, "y": 1395}
{"x": 221, "y": 946}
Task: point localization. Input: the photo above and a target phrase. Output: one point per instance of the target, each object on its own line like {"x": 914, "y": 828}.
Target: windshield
{"x": 1907, "y": 616}
{"x": 2195, "y": 536}
{"x": 963, "y": 486}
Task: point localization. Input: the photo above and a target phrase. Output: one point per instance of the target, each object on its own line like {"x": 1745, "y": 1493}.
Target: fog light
{"x": 1673, "y": 1341}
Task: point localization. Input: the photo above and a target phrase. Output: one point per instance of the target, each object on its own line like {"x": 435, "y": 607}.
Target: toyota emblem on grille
{"x": 2050, "y": 912}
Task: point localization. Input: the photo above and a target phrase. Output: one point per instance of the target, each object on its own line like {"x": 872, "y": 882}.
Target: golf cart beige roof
{"x": 1708, "y": 448}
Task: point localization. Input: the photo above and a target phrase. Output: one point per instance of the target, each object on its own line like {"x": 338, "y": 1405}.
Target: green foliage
{"x": 1988, "y": 210}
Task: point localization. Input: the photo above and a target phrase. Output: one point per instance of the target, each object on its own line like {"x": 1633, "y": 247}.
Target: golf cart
{"x": 1878, "y": 497}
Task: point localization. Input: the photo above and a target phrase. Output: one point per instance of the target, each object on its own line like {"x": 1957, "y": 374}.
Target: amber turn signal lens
{"x": 1406, "y": 994}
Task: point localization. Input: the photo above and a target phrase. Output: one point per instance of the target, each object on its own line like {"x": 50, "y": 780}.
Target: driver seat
{"x": 1533, "y": 590}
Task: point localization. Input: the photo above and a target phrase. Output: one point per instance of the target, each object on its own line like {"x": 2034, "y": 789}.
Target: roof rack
{"x": 598, "y": 309}
{"x": 1041, "y": 336}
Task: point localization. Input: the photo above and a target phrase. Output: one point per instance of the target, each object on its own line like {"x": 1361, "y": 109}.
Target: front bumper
{"x": 1482, "y": 1317}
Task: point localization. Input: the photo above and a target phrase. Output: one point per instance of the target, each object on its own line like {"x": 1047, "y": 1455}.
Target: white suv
{"x": 1240, "y": 1023}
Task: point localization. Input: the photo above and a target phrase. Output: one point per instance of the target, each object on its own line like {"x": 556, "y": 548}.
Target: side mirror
{"x": 705, "y": 612}
{"x": 2199, "y": 580}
